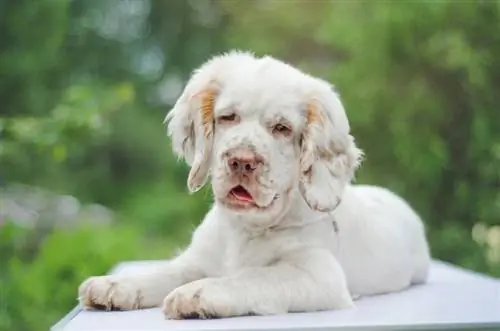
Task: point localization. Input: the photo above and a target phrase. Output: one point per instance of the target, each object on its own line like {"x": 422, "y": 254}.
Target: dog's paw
{"x": 203, "y": 299}
{"x": 110, "y": 293}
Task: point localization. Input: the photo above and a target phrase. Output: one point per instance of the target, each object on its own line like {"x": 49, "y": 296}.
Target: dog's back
{"x": 382, "y": 240}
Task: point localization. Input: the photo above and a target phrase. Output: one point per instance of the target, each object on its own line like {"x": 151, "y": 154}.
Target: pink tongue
{"x": 241, "y": 194}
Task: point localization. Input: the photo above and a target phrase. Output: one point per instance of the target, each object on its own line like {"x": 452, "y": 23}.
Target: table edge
{"x": 59, "y": 326}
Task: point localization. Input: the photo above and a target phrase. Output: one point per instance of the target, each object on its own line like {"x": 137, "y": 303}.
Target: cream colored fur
{"x": 310, "y": 241}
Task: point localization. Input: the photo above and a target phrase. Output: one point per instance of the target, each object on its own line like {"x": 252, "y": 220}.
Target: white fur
{"x": 312, "y": 242}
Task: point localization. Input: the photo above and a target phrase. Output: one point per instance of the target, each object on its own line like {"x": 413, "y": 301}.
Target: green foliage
{"x": 83, "y": 111}
{"x": 177, "y": 216}
{"x": 85, "y": 85}
{"x": 13, "y": 242}
{"x": 35, "y": 292}
{"x": 31, "y": 36}
{"x": 81, "y": 115}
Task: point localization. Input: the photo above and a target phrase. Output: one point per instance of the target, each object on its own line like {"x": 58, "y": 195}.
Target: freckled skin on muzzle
{"x": 243, "y": 172}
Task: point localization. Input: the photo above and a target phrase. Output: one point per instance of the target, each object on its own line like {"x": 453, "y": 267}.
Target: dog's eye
{"x": 281, "y": 129}
{"x": 227, "y": 118}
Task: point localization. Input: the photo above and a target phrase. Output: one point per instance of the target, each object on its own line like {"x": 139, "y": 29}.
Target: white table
{"x": 453, "y": 299}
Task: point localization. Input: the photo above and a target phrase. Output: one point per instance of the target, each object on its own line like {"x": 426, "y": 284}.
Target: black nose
{"x": 243, "y": 165}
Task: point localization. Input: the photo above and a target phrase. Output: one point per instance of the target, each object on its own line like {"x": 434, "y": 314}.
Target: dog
{"x": 288, "y": 230}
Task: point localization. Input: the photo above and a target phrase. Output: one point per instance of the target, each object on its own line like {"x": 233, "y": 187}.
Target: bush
{"x": 37, "y": 292}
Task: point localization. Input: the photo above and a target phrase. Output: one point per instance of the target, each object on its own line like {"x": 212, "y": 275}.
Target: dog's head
{"x": 264, "y": 131}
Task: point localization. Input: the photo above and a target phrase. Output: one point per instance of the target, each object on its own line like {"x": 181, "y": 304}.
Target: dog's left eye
{"x": 281, "y": 129}
{"x": 227, "y": 118}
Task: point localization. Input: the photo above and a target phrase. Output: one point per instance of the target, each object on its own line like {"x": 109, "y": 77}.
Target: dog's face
{"x": 263, "y": 130}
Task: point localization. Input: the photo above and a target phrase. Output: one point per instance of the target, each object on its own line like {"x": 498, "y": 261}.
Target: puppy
{"x": 287, "y": 231}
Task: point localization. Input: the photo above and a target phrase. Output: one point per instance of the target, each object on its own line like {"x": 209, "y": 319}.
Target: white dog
{"x": 287, "y": 231}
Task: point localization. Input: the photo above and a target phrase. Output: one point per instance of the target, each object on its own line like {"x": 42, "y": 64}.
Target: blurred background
{"x": 87, "y": 178}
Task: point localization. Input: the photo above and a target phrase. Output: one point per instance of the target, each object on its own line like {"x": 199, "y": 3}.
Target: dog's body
{"x": 287, "y": 231}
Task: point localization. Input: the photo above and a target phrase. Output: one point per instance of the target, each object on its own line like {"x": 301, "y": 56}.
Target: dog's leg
{"x": 138, "y": 290}
{"x": 307, "y": 280}
{"x": 148, "y": 289}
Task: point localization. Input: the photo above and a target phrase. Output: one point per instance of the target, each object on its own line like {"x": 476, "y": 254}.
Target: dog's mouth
{"x": 239, "y": 193}
{"x": 240, "y": 198}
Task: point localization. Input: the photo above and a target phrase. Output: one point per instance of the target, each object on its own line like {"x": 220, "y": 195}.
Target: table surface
{"x": 453, "y": 299}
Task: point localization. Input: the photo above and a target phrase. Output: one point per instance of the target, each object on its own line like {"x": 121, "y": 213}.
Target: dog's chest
{"x": 243, "y": 251}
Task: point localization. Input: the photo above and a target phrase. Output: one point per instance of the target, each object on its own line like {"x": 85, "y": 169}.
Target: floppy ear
{"x": 329, "y": 156}
{"x": 191, "y": 126}
{"x": 191, "y": 121}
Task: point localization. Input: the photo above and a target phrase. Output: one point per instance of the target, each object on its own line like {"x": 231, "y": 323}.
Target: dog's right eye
{"x": 227, "y": 118}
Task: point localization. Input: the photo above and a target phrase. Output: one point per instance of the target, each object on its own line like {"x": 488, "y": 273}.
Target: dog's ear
{"x": 329, "y": 156}
{"x": 190, "y": 124}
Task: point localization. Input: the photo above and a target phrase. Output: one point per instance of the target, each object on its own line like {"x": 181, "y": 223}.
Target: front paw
{"x": 204, "y": 299}
{"x": 110, "y": 293}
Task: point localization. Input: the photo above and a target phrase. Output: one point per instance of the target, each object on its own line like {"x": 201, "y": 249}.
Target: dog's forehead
{"x": 266, "y": 89}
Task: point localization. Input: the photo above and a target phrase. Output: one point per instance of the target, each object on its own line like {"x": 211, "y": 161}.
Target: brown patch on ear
{"x": 207, "y": 111}
{"x": 313, "y": 115}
